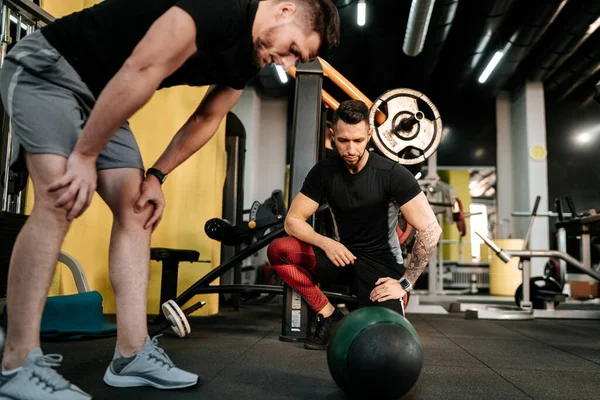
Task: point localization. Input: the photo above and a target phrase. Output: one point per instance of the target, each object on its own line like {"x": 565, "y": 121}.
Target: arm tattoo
{"x": 423, "y": 248}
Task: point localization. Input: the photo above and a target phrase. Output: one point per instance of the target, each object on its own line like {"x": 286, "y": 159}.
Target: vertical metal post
{"x": 5, "y": 40}
{"x": 20, "y": 202}
{"x": 306, "y": 123}
{"x": 233, "y": 195}
{"x": 306, "y": 130}
{"x": 586, "y": 255}
{"x": 526, "y": 302}
{"x": 296, "y": 315}
{"x": 436, "y": 264}
{"x": 562, "y": 246}
{"x": 18, "y": 30}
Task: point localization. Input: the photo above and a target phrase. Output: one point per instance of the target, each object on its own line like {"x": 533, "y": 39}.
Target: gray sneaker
{"x": 149, "y": 367}
{"x": 38, "y": 380}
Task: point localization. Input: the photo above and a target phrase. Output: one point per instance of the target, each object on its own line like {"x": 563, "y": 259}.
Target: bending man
{"x": 365, "y": 193}
{"x": 69, "y": 89}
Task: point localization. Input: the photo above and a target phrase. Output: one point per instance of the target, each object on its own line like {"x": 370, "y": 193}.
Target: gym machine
{"x": 571, "y": 224}
{"x": 533, "y": 301}
{"x": 18, "y": 18}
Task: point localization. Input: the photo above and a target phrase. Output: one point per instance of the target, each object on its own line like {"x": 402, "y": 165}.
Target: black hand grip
{"x": 536, "y": 205}
{"x": 559, "y": 209}
{"x": 571, "y": 206}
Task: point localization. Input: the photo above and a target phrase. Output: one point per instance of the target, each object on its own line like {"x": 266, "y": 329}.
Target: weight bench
{"x": 170, "y": 259}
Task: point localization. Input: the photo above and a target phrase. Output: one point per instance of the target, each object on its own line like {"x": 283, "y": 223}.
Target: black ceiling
{"x": 542, "y": 40}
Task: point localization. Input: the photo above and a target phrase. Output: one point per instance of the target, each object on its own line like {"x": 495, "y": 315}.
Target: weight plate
{"x": 407, "y": 136}
{"x": 182, "y": 317}
{"x": 179, "y": 322}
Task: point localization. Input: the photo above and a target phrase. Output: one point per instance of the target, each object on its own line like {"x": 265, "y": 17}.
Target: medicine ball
{"x": 375, "y": 353}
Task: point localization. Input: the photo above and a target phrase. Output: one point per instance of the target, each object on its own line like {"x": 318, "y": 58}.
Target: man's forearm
{"x": 196, "y": 132}
{"x": 423, "y": 248}
{"x": 301, "y": 230}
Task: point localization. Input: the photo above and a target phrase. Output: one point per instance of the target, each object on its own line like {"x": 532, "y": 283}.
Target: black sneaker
{"x": 323, "y": 331}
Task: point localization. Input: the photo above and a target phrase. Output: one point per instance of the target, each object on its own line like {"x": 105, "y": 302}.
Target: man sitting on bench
{"x": 365, "y": 192}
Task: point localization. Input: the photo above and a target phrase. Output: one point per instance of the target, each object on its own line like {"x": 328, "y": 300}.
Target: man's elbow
{"x": 291, "y": 225}
{"x": 286, "y": 226}
{"x": 208, "y": 110}
{"x": 139, "y": 72}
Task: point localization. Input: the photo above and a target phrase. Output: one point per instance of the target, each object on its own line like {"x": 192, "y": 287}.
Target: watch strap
{"x": 158, "y": 174}
{"x": 406, "y": 285}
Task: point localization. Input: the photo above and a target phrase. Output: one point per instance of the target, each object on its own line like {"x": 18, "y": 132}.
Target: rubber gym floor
{"x": 238, "y": 355}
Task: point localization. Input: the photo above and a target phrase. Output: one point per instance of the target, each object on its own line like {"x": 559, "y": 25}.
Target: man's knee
{"x": 121, "y": 190}
{"x": 280, "y": 250}
{"x": 45, "y": 204}
{"x": 274, "y": 252}
{"x": 46, "y": 169}
{"x": 125, "y": 213}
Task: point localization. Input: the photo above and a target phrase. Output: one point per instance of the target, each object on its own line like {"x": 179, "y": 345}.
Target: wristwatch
{"x": 406, "y": 285}
{"x": 159, "y": 175}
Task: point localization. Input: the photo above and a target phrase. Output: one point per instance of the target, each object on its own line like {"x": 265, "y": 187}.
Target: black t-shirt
{"x": 365, "y": 205}
{"x": 96, "y": 41}
{"x": 330, "y": 152}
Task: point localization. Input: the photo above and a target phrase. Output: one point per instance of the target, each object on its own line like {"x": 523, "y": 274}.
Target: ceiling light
{"x": 490, "y": 67}
{"x": 593, "y": 26}
{"x": 281, "y": 73}
{"x": 361, "y": 15}
{"x": 583, "y": 137}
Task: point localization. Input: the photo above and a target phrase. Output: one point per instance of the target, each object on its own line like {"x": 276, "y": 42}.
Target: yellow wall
{"x": 193, "y": 193}
{"x": 89, "y": 3}
{"x": 59, "y": 8}
{"x": 459, "y": 180}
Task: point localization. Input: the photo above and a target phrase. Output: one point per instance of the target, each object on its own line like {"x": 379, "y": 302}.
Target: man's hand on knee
{"x": 79, "y": 181}
{"x": 151, "y": 193}
{"x": 338, "y": 254}
{"x": 387, "y": 289}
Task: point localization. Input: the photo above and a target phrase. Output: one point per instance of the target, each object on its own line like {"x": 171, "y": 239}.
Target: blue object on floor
{"x": 74, "y": 316}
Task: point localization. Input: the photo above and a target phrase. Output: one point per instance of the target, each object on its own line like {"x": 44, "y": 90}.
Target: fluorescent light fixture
{"x": 281, "y": 73}
{"x": 16, "y": 21}
{"x": 583, "y": 137}
{"x": 361, "y": 15}
{"x": 490, "y": 67}
{"x": 593, "y": 26}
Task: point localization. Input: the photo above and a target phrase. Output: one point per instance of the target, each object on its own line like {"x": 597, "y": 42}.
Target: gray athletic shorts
{"x": 49, "y": 104}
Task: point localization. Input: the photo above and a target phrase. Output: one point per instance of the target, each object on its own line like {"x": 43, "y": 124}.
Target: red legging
{"x": 294, "y": 260}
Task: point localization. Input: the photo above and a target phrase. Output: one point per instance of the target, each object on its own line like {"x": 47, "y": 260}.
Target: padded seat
{"x": 164, "y": 254}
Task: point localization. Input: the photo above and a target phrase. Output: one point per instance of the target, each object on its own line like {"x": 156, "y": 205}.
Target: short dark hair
{"x": 323, "y": 17}
{"x": 351, "y": 112}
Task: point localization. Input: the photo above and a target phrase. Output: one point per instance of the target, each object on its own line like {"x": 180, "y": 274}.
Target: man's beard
{"x": 353, "y": 166}
{"x": 262, "y": 43}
